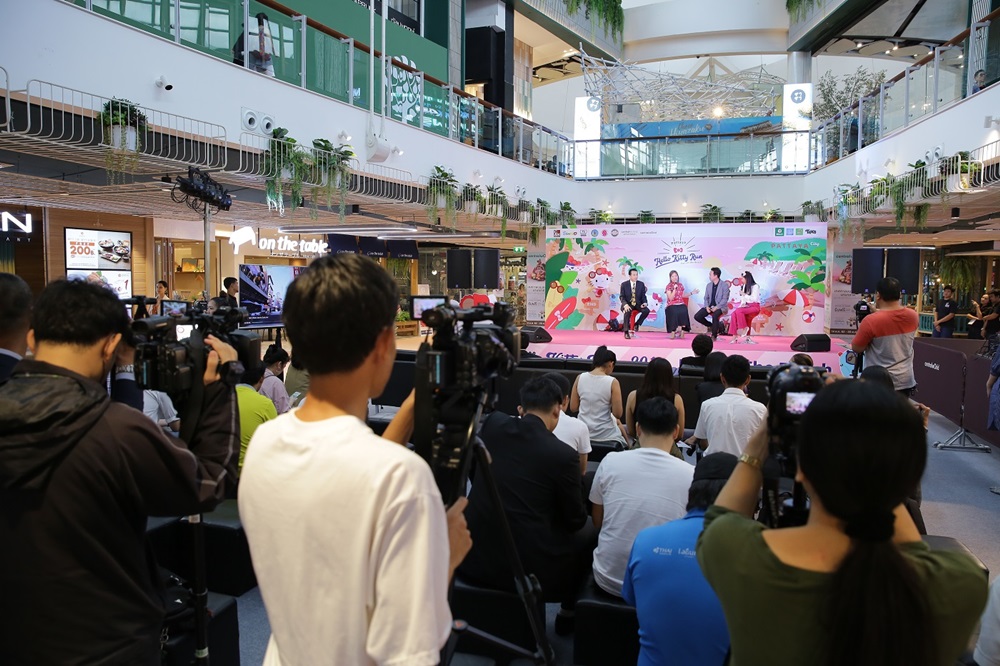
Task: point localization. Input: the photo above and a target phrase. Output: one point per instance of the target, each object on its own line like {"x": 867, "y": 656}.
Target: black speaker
{"x": 866, "y": 265}
{"x": 904, "y": 265}
{"x": 486, "y": 268}
{"x": 459, "y": 269}
{"x": 536, "y": 334}
{"x": 811, "y": 342}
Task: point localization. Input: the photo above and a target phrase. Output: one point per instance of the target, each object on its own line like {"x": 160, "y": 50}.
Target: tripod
{"x": 960, "y": 439}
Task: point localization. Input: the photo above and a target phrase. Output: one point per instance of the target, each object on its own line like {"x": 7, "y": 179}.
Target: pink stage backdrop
{"x": 585, "y": 266}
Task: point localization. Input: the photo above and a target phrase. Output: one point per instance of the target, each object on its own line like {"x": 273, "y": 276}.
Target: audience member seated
{"x": 855, "y": 584}
{"x": 159, "y": 408}
{"x": 255, "y": 409}
{"x": 802, "y": 359}
{"x": 726, "y": 423}
{"x": 702, "y": 345}
{"x": 712, "y": 386}
{"x": 570, "y": 430}
{"x": 275, "y": 360}
{"x": 296, "y": 382}
{"x": 15, "y": 320}
{"x": 664, "y": 583}
{"x": 637, "y": 489}
{"x": 658, "y": 381}
{"x": 988, "y": 646}
{"x": 541, "y": 488}
{"x": 597, "y": 397}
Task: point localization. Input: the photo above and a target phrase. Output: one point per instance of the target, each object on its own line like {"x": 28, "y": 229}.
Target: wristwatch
{"x": 753, "y": 461}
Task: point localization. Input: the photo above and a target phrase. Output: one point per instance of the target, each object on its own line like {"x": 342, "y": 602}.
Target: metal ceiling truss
{"x": 662, "y": 96}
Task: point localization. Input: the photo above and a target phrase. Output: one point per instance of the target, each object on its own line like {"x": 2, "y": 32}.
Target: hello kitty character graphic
{"x": 598, "y": 300}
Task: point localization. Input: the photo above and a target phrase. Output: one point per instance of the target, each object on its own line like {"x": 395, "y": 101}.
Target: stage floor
{"x": 769, "y": 350}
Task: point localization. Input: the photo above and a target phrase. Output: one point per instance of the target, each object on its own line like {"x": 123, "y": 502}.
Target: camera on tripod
{"x": 175, "y": 367}
{"x": 454, "y": 384}
{"x": 790, "y": 389}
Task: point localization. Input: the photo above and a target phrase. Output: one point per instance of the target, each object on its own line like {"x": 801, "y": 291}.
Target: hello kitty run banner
{"x": 584, "y": 267}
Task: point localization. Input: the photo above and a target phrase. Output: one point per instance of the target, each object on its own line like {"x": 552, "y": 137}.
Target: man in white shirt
{"x": 571, "y": 430}
{"x": 15, "y": 320}
{"x": 158, "y": 406}
{"x": 637, "y": 489}
{"x": 350, "y": 541}
{"x": 726, "y": 423}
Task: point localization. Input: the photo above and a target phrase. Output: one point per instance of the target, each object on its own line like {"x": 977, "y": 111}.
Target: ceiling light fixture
{"x": 344, "y": 136}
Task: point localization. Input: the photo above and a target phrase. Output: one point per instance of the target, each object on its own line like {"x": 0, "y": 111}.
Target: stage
{"x": 769, "y": 350}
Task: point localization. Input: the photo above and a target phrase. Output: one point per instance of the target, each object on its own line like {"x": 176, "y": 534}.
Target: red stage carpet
{"x": 769, "y": 350}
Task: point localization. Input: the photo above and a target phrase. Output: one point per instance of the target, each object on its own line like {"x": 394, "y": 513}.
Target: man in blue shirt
{"x": 665, "y": 584}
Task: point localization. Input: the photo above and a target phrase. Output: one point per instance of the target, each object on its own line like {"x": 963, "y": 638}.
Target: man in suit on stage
{"x": 633, "y": 297}
{"x": 716, "y": 302}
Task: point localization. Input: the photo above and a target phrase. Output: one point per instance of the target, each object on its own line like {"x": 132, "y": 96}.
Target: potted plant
{"x": 961, "y": 272}
{"x": 472, "y": 198}
{"x": 545, "y": 213}
{"x": 646, "y": 217}
{"x": 121, "y": 121}
{"x": 525, "y": 211}
{"x": 711, "y": 213}
{"x": 878, "y": 194}
{"x": 566, "y": 212}
{"x": 405, "y": 325}
{"x": 746, "y": 216}
{"x": 959, "y": 171}
{"x": 601, "y": 215}
{"x": 283, "y": 161}
{"x": 813, "y": 211}
{"x": 496, "y": 201}
{"x": 773, "y": 215}
{"x": 442, "y": 192}
{"x": 332, "y": 171}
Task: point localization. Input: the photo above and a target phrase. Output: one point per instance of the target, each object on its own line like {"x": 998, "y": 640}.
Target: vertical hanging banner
{"x": 842, "y": 320}
{"x": 535, "y": 284}
{"x": 585, "y": 267}
{"x": 796, "y": 117}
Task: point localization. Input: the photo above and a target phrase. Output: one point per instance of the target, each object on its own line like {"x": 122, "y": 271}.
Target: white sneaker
{"x": 750, "y": 341}
{"x": 737, "y": 339}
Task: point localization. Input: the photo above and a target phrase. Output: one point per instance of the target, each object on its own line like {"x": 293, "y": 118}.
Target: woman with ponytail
{"x": 855, "y": 584}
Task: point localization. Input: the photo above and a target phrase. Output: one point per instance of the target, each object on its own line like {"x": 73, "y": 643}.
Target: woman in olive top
{"x": 855, "y": 584}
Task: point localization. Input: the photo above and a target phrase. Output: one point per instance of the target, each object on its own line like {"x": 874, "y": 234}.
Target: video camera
{"x": 175, "y": 367}
{"x": 454, "y": 383}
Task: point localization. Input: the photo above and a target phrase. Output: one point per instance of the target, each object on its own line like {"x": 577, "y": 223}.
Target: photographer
{"x": 886, "y": 336}
{"x": 79, "y": 475}
{"x": 349, "y": 537}
{"x": 854, "y": 585}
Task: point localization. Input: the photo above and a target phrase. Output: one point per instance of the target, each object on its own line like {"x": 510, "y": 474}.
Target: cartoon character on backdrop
{"x": 598, "y": 301}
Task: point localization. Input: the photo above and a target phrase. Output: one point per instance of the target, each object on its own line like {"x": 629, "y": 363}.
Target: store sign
{"x": 10, "y": 222}
{"x": 281, "y": 244}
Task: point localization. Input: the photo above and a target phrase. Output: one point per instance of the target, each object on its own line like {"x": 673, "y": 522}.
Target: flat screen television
{"x": 262, "y": 292}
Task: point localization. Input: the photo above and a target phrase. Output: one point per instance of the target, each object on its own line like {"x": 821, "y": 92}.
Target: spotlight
{"x": 163, "y": 83}
{"x": 717, "y": 112}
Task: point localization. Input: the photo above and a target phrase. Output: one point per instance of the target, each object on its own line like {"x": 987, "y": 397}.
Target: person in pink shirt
{"x": 676, "y": 313}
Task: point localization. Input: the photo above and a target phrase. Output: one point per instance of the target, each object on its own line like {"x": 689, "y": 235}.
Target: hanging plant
{"x": 442, "y": 192}
{"x": 711, "y": 213}
{"x": 534, "y": 232}
{"x": 496, "y": 201}
{"x": 961, "y": 272}
{"x": 123, "y": 125}
{"x": 601, "y": 215}
{"x": 283, "y": 162}
{"x": 746, "y": 216}
{"x": 332, "y": 169}
{"x": 566, "y": 212}
{"x": 473, "y": 200}
{"x": 608, "y": 13}
{"x": 797, "y": 8}
{"x": 920, "y": 212}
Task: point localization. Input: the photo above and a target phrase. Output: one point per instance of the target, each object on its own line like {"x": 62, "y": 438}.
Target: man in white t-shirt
{"x": 637, "y": 489}
{"x": 727, "y": 422}
{"x": 350, "y": 541}
{"x": 158, "y": 406}
{"x": 571, "y": 430}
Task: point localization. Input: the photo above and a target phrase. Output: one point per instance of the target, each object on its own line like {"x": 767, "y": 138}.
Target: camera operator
{"x": 886, "y": 336}
{"x": 79, "y": 475}
{"x": 348, "y": 532}
{"x": 854, "y": 584}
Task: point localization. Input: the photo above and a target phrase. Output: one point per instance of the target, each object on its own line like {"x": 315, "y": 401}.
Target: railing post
{"x": 177, "y": 19}
{"x": 906, "y": 93}
{"x": 423, "y": 102}
{"x": 302, "y": 21}
{"x": 454, "y": 116}
{"x": 350, "y": 70}
{"x": 89, "y": 5}
{"x": 499, "y": 114}
{"x": 246, "y": 34}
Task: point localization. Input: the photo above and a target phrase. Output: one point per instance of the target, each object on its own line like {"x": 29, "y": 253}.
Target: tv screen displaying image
{"x": 262, "y": 292}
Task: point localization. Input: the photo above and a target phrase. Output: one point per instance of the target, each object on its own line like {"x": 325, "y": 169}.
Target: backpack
{"x": 614, "y": 326}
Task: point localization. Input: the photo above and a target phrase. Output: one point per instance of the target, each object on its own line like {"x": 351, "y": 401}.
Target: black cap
{"x": 715, "y": 466}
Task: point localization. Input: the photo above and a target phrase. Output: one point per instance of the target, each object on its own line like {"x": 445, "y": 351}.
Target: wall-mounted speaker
{"x": 486, "y": 268}
{"x": 251, "y": 120}
{"x": 866, "y": 269}
{"x": 459, "y": 267}
{"x": 266, "y": 124}
{"x": 904, "y": 265}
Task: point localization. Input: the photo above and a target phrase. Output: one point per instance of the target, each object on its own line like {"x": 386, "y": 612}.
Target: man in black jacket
{"x": 540, "y": 484}
{"x": 79, "y": 475}
{"x": 15, "y": 317}
{"x": 633, "y": 297}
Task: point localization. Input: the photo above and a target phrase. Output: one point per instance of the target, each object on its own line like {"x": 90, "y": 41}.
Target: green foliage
{"x": 773, "y": 215}
{"x": 747, "y": 216}
{"x": 121, "y": 159}
{"x": 797, "y": 8}
{"x": 601, "y": 215}
{"x": 814, "y": 276}
{"x": 960, "y": 272}
{"x": 646, "y": 217}
{"x": 566, "y": 212}
{"x": 283, "y": 160}
{"x": 834, "y": 93}
{"x": 920, "y": 215}
{"x": 402, "y": 315}
{"x": 814, "y": 208}
{"x": 122, "y": 112}
{"x": 711, "y": 213}
{"x": 332, "y": 169}
{"x": 442, "y": 187}
{"x": 608, "y": 13}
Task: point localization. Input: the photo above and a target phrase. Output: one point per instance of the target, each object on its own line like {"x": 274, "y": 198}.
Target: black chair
{"x": 495, "y": 612}
{"x": 607, "y": 629}
{"x": 227, "y": 553}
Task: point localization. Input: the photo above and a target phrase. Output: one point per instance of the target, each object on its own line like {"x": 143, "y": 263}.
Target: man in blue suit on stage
{"x": 716, "y": 302}
{"x": 633, "y": 297}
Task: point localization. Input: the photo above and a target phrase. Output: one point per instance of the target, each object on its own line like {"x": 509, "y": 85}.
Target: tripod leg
{"x": 200, "y": 591}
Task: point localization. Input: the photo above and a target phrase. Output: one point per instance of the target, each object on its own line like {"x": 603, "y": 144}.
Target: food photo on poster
{"x": 262, "y": 292}
{"x": 98, "y": 248}
{"x": 119, "y": 281}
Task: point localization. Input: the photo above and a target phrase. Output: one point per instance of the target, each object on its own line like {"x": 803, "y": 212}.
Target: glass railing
{"x": 705, "y": 155}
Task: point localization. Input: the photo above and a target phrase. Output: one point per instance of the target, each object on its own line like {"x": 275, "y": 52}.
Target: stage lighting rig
{"x": 198, "y": 190}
